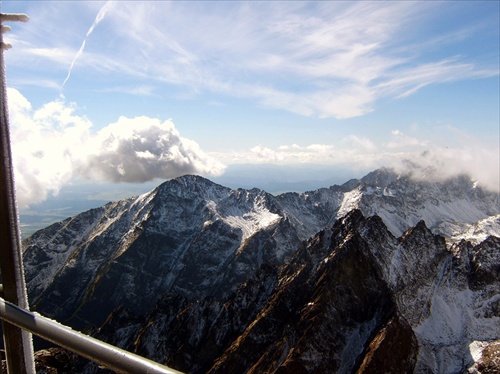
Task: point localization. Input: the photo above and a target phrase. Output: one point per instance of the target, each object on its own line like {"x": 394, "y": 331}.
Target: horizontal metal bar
{"x": 14, "y": 17}
{"x": 93, "y": 349}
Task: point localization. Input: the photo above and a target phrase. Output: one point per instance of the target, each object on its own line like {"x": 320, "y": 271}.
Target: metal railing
{"x": 93, "y": 349}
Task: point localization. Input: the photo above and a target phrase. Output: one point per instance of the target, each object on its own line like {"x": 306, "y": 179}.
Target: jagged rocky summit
{"x": 343, "y": 279}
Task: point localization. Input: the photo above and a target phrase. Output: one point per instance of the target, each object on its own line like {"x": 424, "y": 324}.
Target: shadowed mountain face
{"x": 331, "y": 291}
{"x": 209, "y": 279}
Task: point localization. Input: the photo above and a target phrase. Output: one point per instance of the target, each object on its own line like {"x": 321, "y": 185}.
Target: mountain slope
{"x": 184, "y": 236}
{"x": 200, "y": 263}
{"x": 201, "y": 238}
{"x": 331, "y": 291}
{"x": 352, "y": 299}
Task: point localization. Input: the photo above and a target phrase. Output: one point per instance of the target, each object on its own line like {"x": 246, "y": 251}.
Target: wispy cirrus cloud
{"x": 98, "y": 19}
{"x": 139, "y": 90}
{"x": 407, "y": 81}
{"x": 400, "y": 140}
{"x": 318, "y": 59}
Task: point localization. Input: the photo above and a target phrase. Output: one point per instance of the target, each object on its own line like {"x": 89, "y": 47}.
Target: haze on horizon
{"x": 130, "y": 92}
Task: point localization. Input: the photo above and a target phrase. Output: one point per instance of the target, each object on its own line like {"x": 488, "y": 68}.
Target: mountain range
{"x": 382, "y": 273}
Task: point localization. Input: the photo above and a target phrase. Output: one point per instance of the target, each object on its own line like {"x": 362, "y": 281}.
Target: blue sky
{"x": 131, "y": 92}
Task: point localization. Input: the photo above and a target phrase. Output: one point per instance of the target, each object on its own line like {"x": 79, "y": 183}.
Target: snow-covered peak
{"x": 479, "y": 231}
{"x": 380, "y": 178}
{"x": 191, "y": 185}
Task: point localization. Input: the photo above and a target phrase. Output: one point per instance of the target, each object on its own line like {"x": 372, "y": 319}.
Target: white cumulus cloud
{"x": 141, "y": 149}
{"x": 53, "y": 145}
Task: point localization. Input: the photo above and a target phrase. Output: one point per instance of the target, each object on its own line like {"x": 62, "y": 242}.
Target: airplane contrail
{"x": 98, "y": 19}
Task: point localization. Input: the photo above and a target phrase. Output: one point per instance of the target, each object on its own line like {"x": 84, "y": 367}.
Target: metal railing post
{"x": 18, "y": 343}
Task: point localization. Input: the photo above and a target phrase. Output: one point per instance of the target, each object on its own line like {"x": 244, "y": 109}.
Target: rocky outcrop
{"x": 331, "y": 291}
{"x": 54, "y": 361}
{"x": 393, "y": 350}
{"x": 489, "y": 360}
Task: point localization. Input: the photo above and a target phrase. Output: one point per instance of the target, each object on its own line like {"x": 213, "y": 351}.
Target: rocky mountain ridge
{"x": 334, "y": 307}
{"x": 187, "y": 274}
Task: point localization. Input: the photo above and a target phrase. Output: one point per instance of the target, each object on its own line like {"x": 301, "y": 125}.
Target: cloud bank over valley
{"x": 53, "y": 146}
